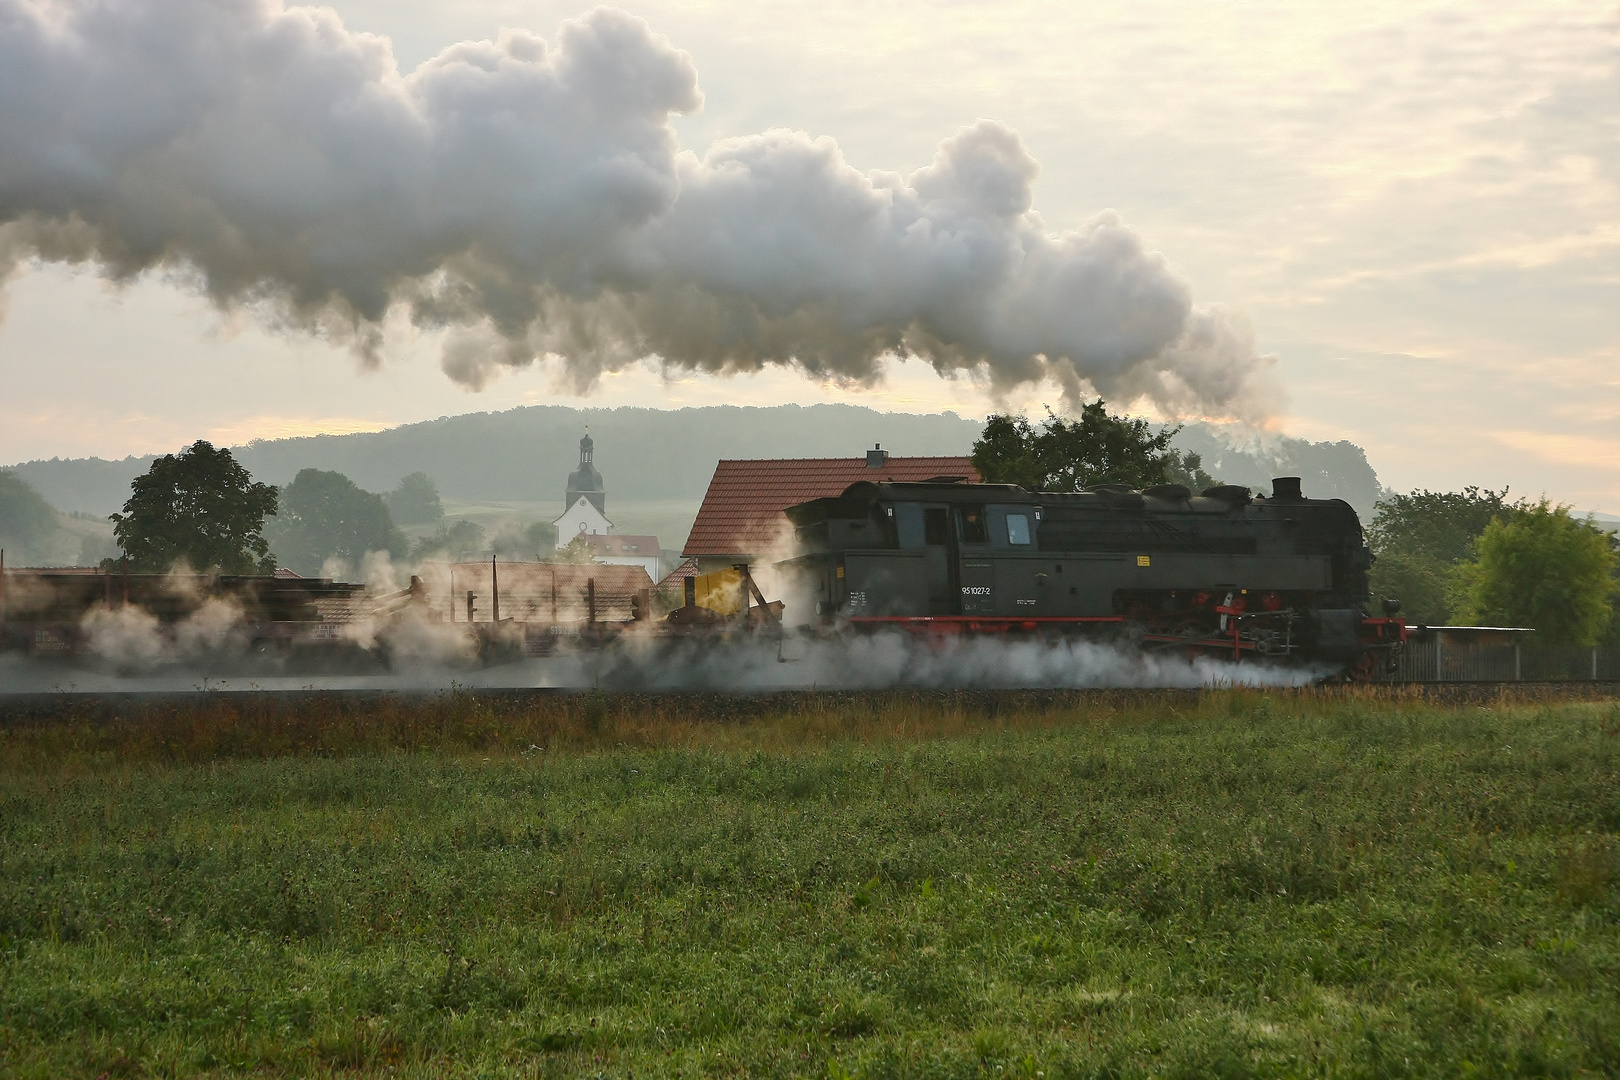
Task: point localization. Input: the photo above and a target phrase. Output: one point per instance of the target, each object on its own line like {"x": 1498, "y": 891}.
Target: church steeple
{"x": 585, "y": 480}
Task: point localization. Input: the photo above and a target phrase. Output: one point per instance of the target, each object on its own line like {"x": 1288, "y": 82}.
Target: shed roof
{"x": 687, "y": 569}
{"x": 1481, "y": 629}
{"x": 742, "y": 510}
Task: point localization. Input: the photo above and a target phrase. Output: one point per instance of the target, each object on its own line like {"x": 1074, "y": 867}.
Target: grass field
{"x": 1226, "y": 884}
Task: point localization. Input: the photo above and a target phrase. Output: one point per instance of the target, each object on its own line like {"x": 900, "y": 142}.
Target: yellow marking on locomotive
{"x": 1144, "y": 560}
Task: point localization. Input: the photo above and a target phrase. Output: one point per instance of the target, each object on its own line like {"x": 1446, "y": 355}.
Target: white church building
{"x": 581, "y": 519}
{"x": 585, "y": 514}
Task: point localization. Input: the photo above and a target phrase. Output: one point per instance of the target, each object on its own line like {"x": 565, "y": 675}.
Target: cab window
{"x": 1017, "y": 528}
{"x": 974, "y": 529}
{"x": 908, "y": 525}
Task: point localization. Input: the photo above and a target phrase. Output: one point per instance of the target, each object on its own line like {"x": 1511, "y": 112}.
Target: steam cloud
{"x": 533, "y": 199}
{"x": 887, "y": 661}
{"x": 129, "y": 651}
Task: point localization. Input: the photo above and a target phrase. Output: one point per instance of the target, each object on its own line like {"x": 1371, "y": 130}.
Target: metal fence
{"x": 1440, "y": 660}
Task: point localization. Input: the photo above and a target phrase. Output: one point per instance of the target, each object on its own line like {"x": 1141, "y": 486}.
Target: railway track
{"x": 125, "y": 706}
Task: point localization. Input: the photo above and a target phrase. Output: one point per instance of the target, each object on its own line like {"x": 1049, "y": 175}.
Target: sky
{"x": 1415, "y": 207}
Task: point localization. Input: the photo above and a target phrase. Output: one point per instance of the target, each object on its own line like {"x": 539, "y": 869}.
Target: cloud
{"x": 1563, "y": 449}
{"x": 532, "y": 198}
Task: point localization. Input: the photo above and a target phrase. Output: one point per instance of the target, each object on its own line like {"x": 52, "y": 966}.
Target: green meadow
{"x": 1226, "y": 884}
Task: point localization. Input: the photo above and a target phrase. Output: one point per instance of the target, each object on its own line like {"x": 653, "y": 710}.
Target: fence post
{"x": 1439, "y": 658}
{"x": 1518, "y": 670}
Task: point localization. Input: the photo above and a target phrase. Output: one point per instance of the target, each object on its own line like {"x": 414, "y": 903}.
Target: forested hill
{"x": 1327, "y": 470}
{"x": 525, "y": 454}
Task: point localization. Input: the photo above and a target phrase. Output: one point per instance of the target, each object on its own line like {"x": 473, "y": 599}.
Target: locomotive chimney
{"x": 877, "y": 457}
{"x": 1286, "y": 488}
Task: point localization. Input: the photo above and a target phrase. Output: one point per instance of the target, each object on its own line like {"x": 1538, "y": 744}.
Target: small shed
{"x": 1464, "y": 653}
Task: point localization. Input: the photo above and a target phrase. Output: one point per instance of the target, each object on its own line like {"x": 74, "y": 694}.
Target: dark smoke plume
{"x": 533, "y": 199}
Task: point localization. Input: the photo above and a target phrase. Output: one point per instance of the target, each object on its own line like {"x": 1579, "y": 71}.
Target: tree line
{"x": 1469, "y": 557}
{"x": 200, "y": 508}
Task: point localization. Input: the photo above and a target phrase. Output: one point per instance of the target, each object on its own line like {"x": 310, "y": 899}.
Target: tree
{"x": 416, "y": 501}
{"x": 1187, "y": 469}
{"x": 577, "y": 550}
{"x": 326, "y": 515}
{"x": 540, "y": 536}
{"x": 536, "y": 540}
{"x": 1005, "y": 453}
{"x": 1069, "y": 455}
{"x": 455, "y": 540}
{"x": 1421, "y": 584}
{"x": 1437, "y": 525}
{"x": 1541, "y": 568}
{"x": 1420, "y": 538}
{"x": 198, "y": 508}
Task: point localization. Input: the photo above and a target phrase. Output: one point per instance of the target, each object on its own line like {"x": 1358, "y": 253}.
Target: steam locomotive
{"x": 1224, "y": 573}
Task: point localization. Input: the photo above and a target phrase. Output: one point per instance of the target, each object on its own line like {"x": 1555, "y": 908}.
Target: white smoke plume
{"x": 126, "y": 637}
{"x": 893, "y": 660}
{"x": 533, "y": 199}
{"x": 131, "y": 640}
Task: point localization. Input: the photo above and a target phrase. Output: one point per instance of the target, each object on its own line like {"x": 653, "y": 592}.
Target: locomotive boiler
{"x": 1223, "y": 572}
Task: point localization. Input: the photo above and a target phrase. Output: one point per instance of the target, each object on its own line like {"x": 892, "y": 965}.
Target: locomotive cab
{"x": 908, "y": 550}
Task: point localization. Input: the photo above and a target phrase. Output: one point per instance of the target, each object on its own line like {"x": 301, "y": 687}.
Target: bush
{"x": 1541, "y": 568}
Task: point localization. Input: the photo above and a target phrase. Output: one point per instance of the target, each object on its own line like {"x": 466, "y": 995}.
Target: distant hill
{"x": 525, "y": 454}
{"x": 32, "y": 533}
{"x": 1327, "y": 470}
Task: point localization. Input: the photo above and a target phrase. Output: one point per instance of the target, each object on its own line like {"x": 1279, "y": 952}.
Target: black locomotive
{"x": 1224, "y": 572}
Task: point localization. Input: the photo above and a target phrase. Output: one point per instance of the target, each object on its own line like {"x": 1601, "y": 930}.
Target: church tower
{"x": 585, "y": 480}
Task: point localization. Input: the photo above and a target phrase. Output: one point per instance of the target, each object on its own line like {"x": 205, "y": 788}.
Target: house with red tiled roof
{"x": 741, "y": 519}
{"x": 621, "y": 549}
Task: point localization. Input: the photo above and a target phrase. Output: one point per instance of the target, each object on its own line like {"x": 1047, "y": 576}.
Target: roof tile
{"x": 742, "y": 510}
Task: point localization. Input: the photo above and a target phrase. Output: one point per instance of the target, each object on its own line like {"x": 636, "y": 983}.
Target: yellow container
{"x": 724, "y": 592}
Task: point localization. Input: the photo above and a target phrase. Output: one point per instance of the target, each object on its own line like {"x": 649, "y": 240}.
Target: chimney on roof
{"x": 877, "y": 457}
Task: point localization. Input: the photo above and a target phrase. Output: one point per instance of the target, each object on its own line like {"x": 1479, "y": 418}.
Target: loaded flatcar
{"x": 1224, "y": 572}
{"x": 43, "y": 612}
